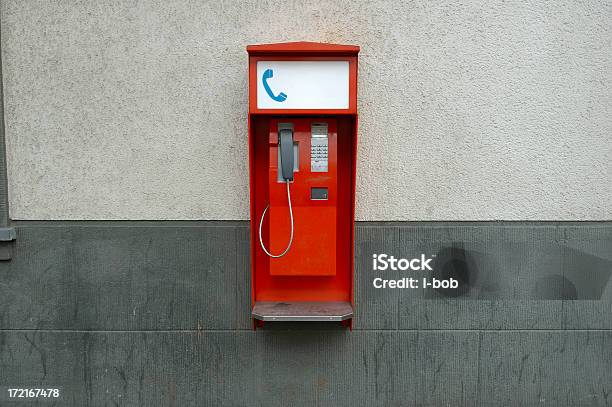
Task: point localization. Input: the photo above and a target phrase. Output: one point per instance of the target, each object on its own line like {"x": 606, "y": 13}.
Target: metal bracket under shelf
{"x": 7, "y": 235}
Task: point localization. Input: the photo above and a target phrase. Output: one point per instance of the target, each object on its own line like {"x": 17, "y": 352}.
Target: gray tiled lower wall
{"x": 157, "y": 314}
{"x": 312, "y": 368}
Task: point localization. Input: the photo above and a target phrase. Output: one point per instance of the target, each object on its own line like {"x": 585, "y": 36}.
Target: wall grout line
{"x": 4, "y": 195}
{"x": 294, "y": 330}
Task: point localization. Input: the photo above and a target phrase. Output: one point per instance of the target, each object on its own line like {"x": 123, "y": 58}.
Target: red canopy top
{"x": 302, "y": 47}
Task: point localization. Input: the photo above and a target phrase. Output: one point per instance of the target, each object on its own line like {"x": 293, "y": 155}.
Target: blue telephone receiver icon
{"x": 281, "y": 97}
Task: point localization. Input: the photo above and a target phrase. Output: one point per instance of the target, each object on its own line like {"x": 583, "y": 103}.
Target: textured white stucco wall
{"x": 468, "y": 110}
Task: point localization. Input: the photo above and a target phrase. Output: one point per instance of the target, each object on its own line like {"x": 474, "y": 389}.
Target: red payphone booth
{"x": 302, "y": 155}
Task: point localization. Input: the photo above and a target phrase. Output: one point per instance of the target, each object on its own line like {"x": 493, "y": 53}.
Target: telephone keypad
{"x": 318, "y": 148}
{"x": 318, "y": 154}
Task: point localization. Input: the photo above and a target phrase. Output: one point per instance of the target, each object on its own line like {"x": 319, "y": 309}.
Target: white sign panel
{"x": 302, "y": 85}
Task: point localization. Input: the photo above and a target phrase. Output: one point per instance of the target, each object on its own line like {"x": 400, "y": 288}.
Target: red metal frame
{"x": 303, "y": 48}
{"x": 260, "y": 122}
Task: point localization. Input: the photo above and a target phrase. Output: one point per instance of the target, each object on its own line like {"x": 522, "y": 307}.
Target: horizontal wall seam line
{"x": 245, "y": 223}
{"x": 123, "y": 224}
{"x": 293, "y": 330}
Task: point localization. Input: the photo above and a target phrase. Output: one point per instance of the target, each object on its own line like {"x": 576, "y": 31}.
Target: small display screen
{"x": 319, "y": 194}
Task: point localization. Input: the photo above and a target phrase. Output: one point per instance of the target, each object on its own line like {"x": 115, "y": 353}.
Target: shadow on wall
{"x": 565, "y": 274}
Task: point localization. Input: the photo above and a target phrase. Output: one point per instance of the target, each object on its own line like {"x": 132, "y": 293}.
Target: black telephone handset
{"x": 285, "y": 147}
